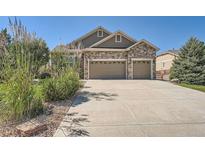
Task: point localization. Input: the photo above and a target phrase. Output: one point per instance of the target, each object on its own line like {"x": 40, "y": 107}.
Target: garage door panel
{"x": 107, "y": 70}
{"x": 141, "y": 70}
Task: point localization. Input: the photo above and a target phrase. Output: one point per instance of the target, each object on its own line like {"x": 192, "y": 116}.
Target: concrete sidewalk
{"x": 135, "y": 108}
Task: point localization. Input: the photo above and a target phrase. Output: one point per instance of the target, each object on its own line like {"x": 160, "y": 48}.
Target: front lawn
{"x": 195, "y": 87}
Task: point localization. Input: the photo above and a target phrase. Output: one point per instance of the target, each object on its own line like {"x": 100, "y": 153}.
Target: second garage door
{"x": 107, "y": 70}
{"x": 141, "y": 69}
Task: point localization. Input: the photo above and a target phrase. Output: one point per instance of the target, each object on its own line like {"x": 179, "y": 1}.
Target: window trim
{"x": 98, "y": 32}
{"x": 116, "y": 38}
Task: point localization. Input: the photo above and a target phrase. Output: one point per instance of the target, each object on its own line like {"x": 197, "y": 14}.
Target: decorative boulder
{"x": 175, "y": 81}
{"x": 33, "y": 126}
{"x": 36, "y": 80}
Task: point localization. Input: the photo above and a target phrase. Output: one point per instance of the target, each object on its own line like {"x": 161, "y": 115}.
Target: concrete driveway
{"x": 135, "y": 108}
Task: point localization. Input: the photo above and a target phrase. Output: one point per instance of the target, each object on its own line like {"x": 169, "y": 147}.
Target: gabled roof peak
{"x": 113, "y": 34}
{"x": 171, "y": 51}
{"x": 144, "y": 41}
{"x": 91, "y": 32}
{"x": 101, "y": 27}
{"x": 123, "y": 33}
{"x": 119, "y": 31}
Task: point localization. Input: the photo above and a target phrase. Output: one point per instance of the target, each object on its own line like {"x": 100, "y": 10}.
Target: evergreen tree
{"x": 189, "y": 67}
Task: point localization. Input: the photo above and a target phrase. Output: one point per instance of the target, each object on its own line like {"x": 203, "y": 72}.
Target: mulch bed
{"x": 53, "y": 120}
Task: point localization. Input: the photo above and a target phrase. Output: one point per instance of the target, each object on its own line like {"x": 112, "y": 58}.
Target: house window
{"x": 118, "y": 38}
{"x": 163, "y": 64}
{"x": 100, "y": 33}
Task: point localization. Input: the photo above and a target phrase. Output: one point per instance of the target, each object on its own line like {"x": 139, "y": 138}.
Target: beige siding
{"x": 164, "y": 62}
{"x": 110, "y": 43}
{"x": 107, "y": 70}
{"x": 91, "y": 39}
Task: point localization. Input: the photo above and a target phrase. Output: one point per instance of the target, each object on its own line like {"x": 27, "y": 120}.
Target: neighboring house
{"x": 106, "y": 55}
{"x": 164, "y": 63}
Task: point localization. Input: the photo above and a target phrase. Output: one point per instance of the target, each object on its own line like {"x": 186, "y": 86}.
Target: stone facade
{"x": 141, "y": 50}
{"x": 144, "y": 51}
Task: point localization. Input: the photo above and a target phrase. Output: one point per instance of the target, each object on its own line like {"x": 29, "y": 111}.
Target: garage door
{"x": 107, "y": 70}
{"x": 141, "y": 69}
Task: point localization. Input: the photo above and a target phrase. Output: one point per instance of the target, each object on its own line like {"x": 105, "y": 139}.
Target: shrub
{"x": 61, "y": 87}
{"x": 62, "y": 59}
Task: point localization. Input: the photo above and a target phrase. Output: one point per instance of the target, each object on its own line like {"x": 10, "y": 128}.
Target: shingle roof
{"x": 172, "y": 51}
{"x": 176, "y": 51}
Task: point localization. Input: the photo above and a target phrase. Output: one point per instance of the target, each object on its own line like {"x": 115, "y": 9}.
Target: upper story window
{"x": 163, "y": 64}
{"x": 118, "y": 38}
{"x": 100, "y": 33}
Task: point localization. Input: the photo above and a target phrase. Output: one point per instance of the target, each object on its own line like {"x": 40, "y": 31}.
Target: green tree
{"x": 28, "y": 47}
{"x": 189, "y": 67}
{"x": 34, "y": 51}
{"x": 64, "y": 56}
{"x": 21, "y": 50}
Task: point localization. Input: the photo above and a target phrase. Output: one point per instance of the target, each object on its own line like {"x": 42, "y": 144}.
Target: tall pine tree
{"x": 189, "y": 67}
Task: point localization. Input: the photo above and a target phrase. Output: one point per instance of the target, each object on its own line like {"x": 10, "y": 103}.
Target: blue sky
{"x": 164, "y": 32}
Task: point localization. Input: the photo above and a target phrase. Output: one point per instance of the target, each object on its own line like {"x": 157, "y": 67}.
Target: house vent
{"x": 100, "y": 33}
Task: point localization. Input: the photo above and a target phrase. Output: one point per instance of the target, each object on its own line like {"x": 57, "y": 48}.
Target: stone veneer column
{"x": 154, "y": 68}
{"x": 129, "y": 67}
{"x": 86, "y": 68}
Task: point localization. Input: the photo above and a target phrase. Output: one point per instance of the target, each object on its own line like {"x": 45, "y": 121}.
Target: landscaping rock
{"x": 45, "y": 126}
{"x": 176, "y": 81}
{"x": 48, "y": 112}
{"x": 33, "y": 126}
{"x": 36, "y": 80}
{"x": 48, "y": 108}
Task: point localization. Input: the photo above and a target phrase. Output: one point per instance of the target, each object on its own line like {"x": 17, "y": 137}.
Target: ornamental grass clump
{"x": 19, "y": 99}
{"x": 61, "y": 87}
